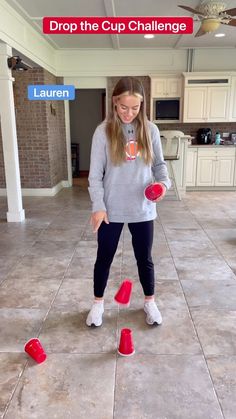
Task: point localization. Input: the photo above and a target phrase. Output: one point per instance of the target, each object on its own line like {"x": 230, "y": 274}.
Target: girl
{"x": 126, "y": 156}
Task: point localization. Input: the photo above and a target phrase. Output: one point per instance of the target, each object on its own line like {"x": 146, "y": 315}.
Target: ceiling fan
{"x": 211, "y": 14}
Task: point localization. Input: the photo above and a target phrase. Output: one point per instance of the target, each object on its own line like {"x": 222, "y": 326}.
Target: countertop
{"x": 212, "y": 145}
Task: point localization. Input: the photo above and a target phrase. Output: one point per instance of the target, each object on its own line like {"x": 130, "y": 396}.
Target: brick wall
{"x": 40, "y": 134}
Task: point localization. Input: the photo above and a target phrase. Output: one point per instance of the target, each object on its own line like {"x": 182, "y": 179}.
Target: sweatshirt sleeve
{"x": 97, "y": 168}
{"x": 159, "y": 168}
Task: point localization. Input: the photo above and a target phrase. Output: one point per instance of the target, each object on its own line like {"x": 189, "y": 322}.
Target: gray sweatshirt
{"x": 119, "y": 190}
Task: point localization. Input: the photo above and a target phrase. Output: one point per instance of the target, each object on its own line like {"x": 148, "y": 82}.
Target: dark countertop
{"x": 212, "y": 145}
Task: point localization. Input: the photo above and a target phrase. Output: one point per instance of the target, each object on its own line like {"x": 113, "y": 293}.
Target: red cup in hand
{"x": 126, "y": 346}
{"x": 34, "y": 348}
{"x": 123, "y": 295}
{"x": 154, "y": 191}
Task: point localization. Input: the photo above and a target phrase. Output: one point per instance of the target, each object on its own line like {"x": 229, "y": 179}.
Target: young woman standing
{"x": 126, "y": 156}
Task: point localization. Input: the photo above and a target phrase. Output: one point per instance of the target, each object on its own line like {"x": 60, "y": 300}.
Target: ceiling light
{"x": 148, "y": 36}
{"x": 210, "y": 25}
{"x": 219, "y": 35}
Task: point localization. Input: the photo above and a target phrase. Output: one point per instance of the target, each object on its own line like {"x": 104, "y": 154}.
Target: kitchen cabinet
{"x": 232, "y": 112}
{"x": 168, "y": 87}
{"x": 206, "y": 104}
{"x": 215, "y": 167}
{"x": 191, "y": 166}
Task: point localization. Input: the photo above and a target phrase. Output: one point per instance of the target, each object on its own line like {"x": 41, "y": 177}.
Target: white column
{"x": 9, "y": 139}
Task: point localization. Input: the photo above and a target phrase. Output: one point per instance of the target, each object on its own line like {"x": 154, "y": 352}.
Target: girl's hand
{"x": 97, "y": 218}
{"x": 164, "y": 192}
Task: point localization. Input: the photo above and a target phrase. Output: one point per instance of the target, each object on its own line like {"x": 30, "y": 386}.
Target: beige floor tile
{"x": 18, "y": 326}
{"x": 62, "y": 234}
{"x": 216, "y": 330}
{"x": 212, "y": 294}
{"x": 222, "y": 235}
{"x": 66, "y": 386}
{"x": 223, "y": 373}
{"x": 206, "y": 268}
{"x": 161, "y": 339}
{"x": 231, "y": 261}
{"x": 28, "y": 292}
{"x": 164, "y": 387}
{"x": 168, "y": 294}
{"x": 165, "y": 269}
{"x": 7, "y": 263}
{"x": 40, "y": 267}
{"x": 77, "y": 295}
{"x": 194, "y": 234}
{"x": 49, "y": 293}
{"x": 51, "y": 248}
{"x": 218, "y": 222}
{"x": 86, "y": 249}
{"x": 82, "y": 267}
{"x": 191, "y": 248}
{"x": 13, "y": 247}
{"x": 66, "y": 331}
{"x": 11, "y": 367}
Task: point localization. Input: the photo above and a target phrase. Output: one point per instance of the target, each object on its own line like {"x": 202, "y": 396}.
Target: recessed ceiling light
{"x": 148, "y": 36}
{"x": 219, "y": 35}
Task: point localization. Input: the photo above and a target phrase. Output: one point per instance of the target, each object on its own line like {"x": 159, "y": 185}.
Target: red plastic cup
{"x": 123, "y": 295}
{"x": 126, "y": 346}
{"x": 34, "y": 348}
{"x": 153, "y": 191}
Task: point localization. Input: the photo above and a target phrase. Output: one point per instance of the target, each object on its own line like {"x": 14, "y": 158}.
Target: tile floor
{"x": 184, "y": 369}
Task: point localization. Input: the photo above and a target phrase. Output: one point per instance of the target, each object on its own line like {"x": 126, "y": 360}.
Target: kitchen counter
{"x": 212, "y": 145}
{"x": 211, "y": 167}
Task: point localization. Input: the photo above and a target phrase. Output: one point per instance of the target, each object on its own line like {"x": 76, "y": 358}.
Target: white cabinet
{"x": 206, "y": 104}
{"x": 215, "y": 167}
{"x": 232, "y": 112}
{"x": 191, "y": 166}
{"x": 169, "y": 87}
{"x": 205, "y": 171}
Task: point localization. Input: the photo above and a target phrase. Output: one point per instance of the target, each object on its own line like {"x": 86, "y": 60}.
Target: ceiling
{"x": 33, "y": 11}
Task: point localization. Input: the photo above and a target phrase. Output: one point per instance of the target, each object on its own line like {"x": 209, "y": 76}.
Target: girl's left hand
{"x": 164, "y": 191}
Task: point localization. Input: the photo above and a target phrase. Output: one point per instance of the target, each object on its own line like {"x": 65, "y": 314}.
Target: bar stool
{"x": 171, "y": 150}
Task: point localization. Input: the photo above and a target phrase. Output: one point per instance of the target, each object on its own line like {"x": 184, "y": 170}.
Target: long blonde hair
{"x": 133, "y": 87}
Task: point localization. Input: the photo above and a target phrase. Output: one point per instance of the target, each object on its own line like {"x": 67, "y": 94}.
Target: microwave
{"x": 166, "y": 109}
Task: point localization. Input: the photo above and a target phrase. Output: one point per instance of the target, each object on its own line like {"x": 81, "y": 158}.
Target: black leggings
{"x": 108, "y": 239}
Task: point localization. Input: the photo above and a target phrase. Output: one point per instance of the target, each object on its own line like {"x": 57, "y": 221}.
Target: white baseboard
{"x": 40, "y": 191}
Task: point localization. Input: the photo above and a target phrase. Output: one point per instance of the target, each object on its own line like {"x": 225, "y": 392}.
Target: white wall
{"x": 18, "y": 34}
{"x": 101, "y": 63}
{"x": 217, "y": 59}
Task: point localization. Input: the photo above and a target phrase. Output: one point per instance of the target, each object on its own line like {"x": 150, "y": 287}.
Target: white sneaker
{"x": 153, "y": 314}
{"x": 95, "y": 315}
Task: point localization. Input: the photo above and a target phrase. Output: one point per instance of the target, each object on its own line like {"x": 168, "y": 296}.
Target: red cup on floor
{"x": 126, "y": 346}
{"x": 153, "y": 191}
{"x": 123, "y": 295}
{"x": 34, "y": 348}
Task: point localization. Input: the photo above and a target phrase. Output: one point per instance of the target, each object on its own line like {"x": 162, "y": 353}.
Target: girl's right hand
{"x": 97, "y": 218}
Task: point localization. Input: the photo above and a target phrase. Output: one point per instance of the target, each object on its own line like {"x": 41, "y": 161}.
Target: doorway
{"x": 87, "y": 111}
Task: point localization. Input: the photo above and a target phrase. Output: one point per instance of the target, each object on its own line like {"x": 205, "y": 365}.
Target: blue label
{"x": 51, "y": 92}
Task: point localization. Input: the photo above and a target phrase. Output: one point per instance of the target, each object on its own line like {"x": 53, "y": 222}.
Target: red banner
{"x": 118, "y": 25}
